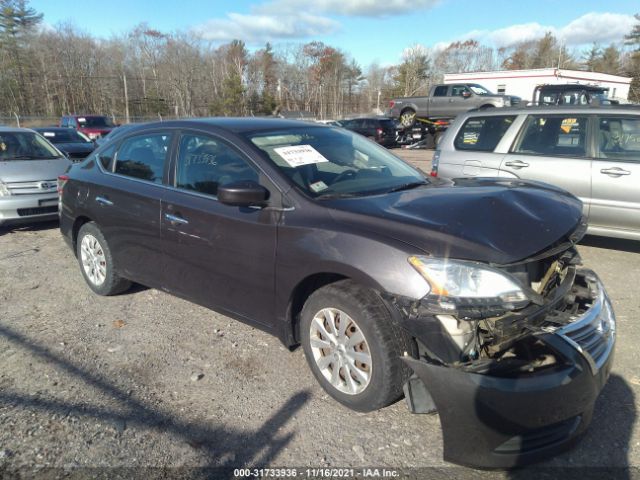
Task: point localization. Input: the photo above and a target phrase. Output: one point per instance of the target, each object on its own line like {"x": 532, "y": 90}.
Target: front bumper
{"x": 28, "y": 208}
{"x": 491, "y": 421}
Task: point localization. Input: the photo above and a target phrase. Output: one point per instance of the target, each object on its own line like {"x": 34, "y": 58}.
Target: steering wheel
{"x": 344, "y": 175}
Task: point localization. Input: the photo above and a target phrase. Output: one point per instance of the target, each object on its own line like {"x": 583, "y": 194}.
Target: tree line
{"x": 147, "y": 73}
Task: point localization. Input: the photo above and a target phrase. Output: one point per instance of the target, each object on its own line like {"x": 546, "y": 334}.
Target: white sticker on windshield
{"x": 318, "y": 186}
{"x": 49, "y": 134}
{"x": 298, "y": 155}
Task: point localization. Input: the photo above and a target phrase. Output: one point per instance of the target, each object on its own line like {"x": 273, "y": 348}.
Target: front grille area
{"x": 26, "y": 212}
{"x": 594, "y": 332}
{"x": 29, "y": 188}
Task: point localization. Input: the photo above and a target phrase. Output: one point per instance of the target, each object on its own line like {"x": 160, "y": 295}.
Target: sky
{"x": 369, "y": 30}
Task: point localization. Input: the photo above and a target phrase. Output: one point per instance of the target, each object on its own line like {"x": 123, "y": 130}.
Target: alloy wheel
{"x": 340, "y": 351}
{"x": 93, "y": 259}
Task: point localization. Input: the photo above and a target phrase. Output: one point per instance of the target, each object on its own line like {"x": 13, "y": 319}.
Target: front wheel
{"x": 96, "y": 262}
{"x": 353, "y": 347}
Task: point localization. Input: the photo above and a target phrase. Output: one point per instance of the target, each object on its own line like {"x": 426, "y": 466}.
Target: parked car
{"x": 466, "y": 295}
{"x": 75, "y": 145}
{"x": 571, "y": 94}
{"x": 29, "y": 167}
{"x": 93, "y": 126}
{"x": 445, "y": 102}
{"x": 382, "y": 130}
{"x": 593, "y": 152}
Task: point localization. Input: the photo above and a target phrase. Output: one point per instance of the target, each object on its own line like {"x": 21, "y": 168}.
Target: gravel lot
{"x": 148, "y": 380}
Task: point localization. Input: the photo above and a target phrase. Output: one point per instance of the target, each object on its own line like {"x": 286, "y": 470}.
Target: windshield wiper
{"x": 407, "y": 186}
{"x": 328, "y": 196}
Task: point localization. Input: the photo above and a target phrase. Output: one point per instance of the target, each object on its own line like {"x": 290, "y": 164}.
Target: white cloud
{"x": 591, "y": 27}
{"x": 288, "y": 19}
{"x": 597, "y": 27}
{"x": 356, "y": 8}
{"x": 256, "y": 28}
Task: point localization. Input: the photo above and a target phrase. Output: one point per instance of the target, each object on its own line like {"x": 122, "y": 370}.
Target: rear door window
{"x": 482, "y": 134}
{"x": 619, "y": 138}
{"x": 441, "y": 91}
{"x": 554, "y": 135}
{"x": 106, "y": 158}
{"x": 143, "y": 157}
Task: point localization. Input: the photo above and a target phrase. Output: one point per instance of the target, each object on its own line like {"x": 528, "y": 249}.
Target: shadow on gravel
{"x": 30, "y": 227}
{"x": 226, "y": 448}
{"x": 622, "y": 244}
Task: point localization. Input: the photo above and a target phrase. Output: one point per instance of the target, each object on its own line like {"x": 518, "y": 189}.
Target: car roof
{"x": 559, "y": 109}
{"x": 233, "y": 124}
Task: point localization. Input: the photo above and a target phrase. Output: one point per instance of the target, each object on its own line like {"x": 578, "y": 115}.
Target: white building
{"x": 522, "y": 82}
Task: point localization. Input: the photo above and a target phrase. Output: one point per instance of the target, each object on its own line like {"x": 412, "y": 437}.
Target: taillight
{"x": 379, "y": 131}
{"x": 435, "y": 161}
{"x": 391, "y": 104}
{"x": 62, "y": 180}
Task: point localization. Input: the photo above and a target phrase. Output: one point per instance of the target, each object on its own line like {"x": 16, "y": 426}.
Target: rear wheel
{"x": 353, "y": 347}
{"x": 96, "y": 262}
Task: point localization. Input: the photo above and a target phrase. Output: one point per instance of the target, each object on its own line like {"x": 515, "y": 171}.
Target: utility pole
{"x": 126, "y": 97}
{"x": 378, "y": 104}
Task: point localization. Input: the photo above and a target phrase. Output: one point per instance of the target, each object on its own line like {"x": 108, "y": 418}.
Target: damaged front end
{"x": 513, "y": 376}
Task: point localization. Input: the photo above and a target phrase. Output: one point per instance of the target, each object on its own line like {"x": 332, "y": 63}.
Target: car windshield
{"x": 25, "y": 146}
{"x": 327, "y": 162}
{"x": 64, "y": 136}
{"x": 479, "y": 89}
{"x": 95, "y": 122}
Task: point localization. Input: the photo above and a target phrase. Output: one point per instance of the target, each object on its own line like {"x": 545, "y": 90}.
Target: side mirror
{"x": 245, "y": 193}
{"x": 466, "y": 94}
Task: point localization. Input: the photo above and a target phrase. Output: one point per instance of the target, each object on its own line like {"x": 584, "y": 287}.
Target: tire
{"x": 407, "y": 117}
{"x": 369, "y": 374}
{"x": 96, "y": 262}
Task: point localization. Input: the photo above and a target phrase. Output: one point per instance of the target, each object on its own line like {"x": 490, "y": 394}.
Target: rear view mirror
{"x": 244, "y": 193}
{"x": 466, "y": 94}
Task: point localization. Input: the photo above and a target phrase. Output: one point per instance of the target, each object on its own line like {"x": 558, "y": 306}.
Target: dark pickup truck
{"x": 446, "y": 102}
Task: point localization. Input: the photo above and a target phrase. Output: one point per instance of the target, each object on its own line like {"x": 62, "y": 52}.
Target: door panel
{"x": 219, "y": 256}
{"x": 616, "y": 174}
{"x": 127, "y": 205}
{"x": 457, "y": 103}
{"x": 553, "y": 149}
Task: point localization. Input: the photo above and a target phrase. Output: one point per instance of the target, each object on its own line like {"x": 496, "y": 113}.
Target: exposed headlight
{"x": 93, "y": 136}
{"x": 459, "y": 283}
{"x": 4, "y": 191}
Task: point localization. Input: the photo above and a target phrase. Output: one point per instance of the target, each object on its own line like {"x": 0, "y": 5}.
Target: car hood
{"x": 32, "y": 170}
{"x": 75, "y": 147}
{"x": 498, "y": 221}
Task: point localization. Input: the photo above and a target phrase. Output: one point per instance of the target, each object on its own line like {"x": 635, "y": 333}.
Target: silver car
{"x": 592, "y": 151}
{"x": 29, "y": 169}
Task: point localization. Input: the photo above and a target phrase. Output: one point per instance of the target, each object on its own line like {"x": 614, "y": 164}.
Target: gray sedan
{"x": 29, "y": 169}
{"x": 593, "y": 152}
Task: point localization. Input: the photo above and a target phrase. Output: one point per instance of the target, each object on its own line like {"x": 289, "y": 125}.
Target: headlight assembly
{"x": 456, "y": 283}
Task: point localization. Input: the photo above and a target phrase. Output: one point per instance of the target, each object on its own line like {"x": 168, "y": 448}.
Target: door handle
{"x": 175, "y": 219}
{"x": 615, "y": 171}
{"x": 104, "y": 201}
{"x": 517, "y": 164}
